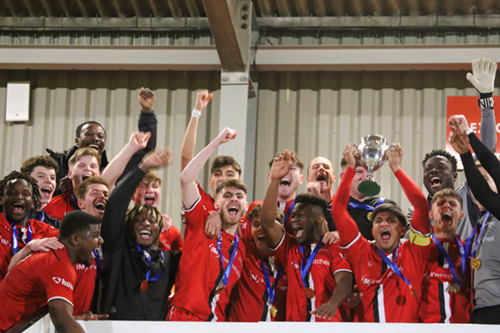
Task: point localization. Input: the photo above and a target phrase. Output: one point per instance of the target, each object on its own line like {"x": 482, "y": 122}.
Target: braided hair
{"x": 35, "y": 191}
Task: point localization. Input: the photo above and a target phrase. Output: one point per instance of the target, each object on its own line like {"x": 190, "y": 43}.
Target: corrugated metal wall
{"x": 313, "y": 113}
{"x": 317, "y": 114}
{"x": 61, "y": 100}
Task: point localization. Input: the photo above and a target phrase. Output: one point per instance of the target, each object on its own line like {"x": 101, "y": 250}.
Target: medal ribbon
{"x": 469, "y": 239}
{"x": 289, "y": 212}
{"x": 365, "y": 206}
{"x": 97, "y": 260}
{"x": 42, "y": 218}
{"x": 14, "y": 236}
{"x": 227, "y": 271}
{"x": 305, "y": 266}
{"x": 271, "y": 290}
{"x": 448, "y": 258}
{"x": 392, "y": 264}
{"x": 147, "y": 257}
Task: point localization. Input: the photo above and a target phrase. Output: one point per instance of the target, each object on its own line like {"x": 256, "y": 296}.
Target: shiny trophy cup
{"x": 373, "y": 154}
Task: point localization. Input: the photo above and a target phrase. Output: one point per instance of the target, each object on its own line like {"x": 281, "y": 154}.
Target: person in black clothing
{"x": 43, "y": 169}
{"x": 137, "y": 275}
{"x": 360, "y": 206}
{"x": 481, "y": 184}
{"x": 92, "y": 134}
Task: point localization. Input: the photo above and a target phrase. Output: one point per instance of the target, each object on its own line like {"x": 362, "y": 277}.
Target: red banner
{"x": 469, "y": 108}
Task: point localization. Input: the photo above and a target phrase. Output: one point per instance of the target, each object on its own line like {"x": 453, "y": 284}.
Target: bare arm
{"x": 138, "y": 141}
{"x": 343, "y": 288}
{"x": 36, "y": 245}
{"x": 272, "y": 229}
{"x": 190, "y": 193}
{"x": 189, "y": 141}
{"x": 61, "y": 314}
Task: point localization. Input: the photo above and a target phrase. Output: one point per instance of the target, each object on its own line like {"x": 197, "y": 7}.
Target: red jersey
{"x": 171, "y": 239}
{"x": 250, "y": 300}
{"x": 438, "y": 304}
{"x": 35, "y": 281}
{"x": 38, "y": 230}
{"x": 61, "y": 205}
{"x": 200, "y": 270}
{"x": 386, "y": 297}
{"x": 320, "y": 277}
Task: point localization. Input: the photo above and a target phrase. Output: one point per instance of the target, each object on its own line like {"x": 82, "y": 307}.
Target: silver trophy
{"x": 373, "y": 154}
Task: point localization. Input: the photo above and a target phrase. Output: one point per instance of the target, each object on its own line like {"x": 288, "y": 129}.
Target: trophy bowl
{"x": 373, "y": 154}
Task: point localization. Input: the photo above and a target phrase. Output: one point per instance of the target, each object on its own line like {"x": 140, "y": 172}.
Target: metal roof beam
{"x": 269, "y": 58}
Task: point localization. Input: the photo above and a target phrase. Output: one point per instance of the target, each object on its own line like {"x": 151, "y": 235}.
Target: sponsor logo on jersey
{"x": 65, "y": 283}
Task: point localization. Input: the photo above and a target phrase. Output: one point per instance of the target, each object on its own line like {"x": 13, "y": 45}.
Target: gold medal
{"x": 220, "y": 290}
{"x": 413, "y": 292}
{"x": 309, "y": 292}
{"x": 369, "y": 216}
{"x": 475, "y": 264}
{"x": 144, "y": 286}
{"x": 273, "y": 311}
{"x": 453, "y": 288}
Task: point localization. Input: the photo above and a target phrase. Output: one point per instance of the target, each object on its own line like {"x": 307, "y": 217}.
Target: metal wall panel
{"x": 313, "y": 113}
{"x": 61, "y": 100}
{"x": 317, "y": 114}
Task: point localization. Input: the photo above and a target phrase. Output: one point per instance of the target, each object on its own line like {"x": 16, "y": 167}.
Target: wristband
{"x": 485, "y": 103}
{"x": 196, "y": 113}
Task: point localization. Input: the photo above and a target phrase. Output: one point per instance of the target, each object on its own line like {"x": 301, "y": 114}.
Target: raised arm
{"x": 420, "y": 220}
{"x": 272, "y": 229}
{"x": 189, "y": 190}
{"x": 346, "y": 226}
{"x": 189, "y": 141}
{"x": 483, "y": 79}
{"x": 113, "y": 226}
{"x": 147, "y": 124}
{"x": 138, "y": 141}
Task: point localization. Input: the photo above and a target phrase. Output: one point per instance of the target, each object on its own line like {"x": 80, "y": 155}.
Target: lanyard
{"x": 97, "y": 260}
{"x": 14, "y": 236}
{"x": 227, "y": 271}
{"x": 305, "y": 266}
{"x": 147, "y": 257}
{"x": 271, "y": 290}
{"x": 365, "y": 206}
{"x": 42, "y": 217}
{"x": 289, "y": 212}
{"x": 393, "y": 265}
{"x": 448, "y": 258}
{"x": 469, "y": 239}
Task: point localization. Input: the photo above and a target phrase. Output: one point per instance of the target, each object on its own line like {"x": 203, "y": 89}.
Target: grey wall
{"x": 313, "y": 113}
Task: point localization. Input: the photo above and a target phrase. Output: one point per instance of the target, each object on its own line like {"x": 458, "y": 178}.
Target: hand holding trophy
{"x": 373, "y": 154}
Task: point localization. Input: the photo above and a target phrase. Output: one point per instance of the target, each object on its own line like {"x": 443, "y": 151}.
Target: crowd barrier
{"x": 44, "y": 326}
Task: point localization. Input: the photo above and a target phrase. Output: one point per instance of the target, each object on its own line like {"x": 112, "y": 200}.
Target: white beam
{"x": 268, "y": 58}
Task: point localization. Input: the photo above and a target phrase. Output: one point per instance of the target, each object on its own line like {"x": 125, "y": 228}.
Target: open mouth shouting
{"x": 18, "y": 208}
{"x": 100, "y": 204}
{"x": 86, "y": 175}
{"x": 95, "y": 146}
{"x": 436, "y": 182}
{"x": 233, "y": 211}
{"x": 145, "y": 235}
{"x": 385, "y": 235}
{"x": 322, "y": 178}
{"x": 149, "y": 199}
{"x": 285, "y": 182}
{"x": 47, "y": 192}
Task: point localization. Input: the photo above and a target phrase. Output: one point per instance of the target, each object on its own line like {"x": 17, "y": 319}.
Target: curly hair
{"x": 40, "y": 160}
{"x": 443, "y": 153}
{"x": 35, "y": 191}
{"x": 313, "y": 200}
